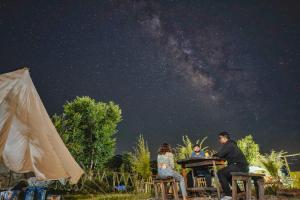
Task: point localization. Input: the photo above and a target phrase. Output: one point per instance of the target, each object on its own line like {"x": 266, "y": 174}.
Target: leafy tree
{"x": 140, "y": 159}
{"x": 249, "y": 148}
{"x": 88, "y": 127}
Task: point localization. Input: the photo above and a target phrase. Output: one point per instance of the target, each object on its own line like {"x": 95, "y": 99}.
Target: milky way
{"x": 205, "y": 57}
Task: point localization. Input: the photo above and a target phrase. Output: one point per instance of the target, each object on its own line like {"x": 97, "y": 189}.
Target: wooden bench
{"x": 160, "y": 183}
{"x": 246, "y": 179}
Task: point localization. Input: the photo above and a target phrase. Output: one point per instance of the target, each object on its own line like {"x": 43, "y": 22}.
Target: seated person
{"x": 36, "y": 188}
{"x": 201, "y": 171}
{"x": 236, "y": 162}
{"x": 165, "y": 167}
{"x": 197, "y": 152}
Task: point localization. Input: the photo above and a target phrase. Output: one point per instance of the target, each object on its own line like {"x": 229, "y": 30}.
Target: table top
{"x": 200, "y": 160}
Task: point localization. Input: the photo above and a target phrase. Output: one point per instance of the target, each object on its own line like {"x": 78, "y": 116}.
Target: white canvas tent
{"x": 28, "y": 139}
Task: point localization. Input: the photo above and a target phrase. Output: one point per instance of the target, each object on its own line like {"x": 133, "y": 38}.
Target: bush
{"x": 273, "y": 164}
{"x": 250, "y": 149}
{"x": 120, "y": 163}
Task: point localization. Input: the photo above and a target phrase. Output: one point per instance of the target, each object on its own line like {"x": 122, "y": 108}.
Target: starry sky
{"x": 174, "y": 67}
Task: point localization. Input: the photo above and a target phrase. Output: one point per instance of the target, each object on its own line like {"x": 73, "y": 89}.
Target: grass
{"x": 114, "y": 196}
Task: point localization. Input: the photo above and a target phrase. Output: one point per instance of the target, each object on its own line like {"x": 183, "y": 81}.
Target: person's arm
{"x": 226, "y": 148}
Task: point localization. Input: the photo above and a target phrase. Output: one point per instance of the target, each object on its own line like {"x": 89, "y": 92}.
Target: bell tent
{"x": 29, "y": 141}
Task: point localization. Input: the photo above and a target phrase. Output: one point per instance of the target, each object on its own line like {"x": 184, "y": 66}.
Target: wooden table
{"x": 198, "y": 162}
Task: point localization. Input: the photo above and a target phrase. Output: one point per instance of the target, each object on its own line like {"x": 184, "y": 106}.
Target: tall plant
{"x": 273, "y": 163}
{"x": 140, "y": 159}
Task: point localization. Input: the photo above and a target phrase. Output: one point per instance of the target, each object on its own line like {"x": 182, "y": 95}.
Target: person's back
{"x": 232, "y": 154}
{"x": 165, "y": 160}
{"x": 165, "y": 167}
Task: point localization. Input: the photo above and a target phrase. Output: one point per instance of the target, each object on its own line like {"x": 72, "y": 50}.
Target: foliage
{"x": 273, "y": 164}
{"x": 88, "y": 127}
{"x": 249, "y": 148}
{"x": 114, "y": 163}
{"x": 140, "y": 159}
{"x": 120, "y": 163}
{"x": 295, "y": 175}
{"x": 126, "y": 165}
{"x": 184, "y": 151}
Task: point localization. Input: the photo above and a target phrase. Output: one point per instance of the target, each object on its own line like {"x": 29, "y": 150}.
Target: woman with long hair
{"x": 165, "y": 167}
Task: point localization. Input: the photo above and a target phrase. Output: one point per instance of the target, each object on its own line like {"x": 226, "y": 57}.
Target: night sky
{"x": 174, "y": 67}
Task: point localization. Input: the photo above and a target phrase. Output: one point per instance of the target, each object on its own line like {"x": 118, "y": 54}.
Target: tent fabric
{"x": 29, "y": 141}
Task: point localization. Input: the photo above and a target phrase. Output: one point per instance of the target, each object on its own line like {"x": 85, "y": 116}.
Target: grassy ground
{"x": 127, "y": 196}
{"x": 147, "y": 197}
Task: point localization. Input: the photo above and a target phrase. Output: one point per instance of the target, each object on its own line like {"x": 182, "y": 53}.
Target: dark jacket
{"x": 232, "y": 154}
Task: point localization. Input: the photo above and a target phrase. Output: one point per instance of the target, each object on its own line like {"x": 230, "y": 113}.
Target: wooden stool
{"x": 161, "y": 183}
{"x": 247, "y": 177}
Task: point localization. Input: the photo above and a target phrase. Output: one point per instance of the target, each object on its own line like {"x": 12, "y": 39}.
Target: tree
{"x": 140, "y": 159}
{"x": 88, "y": 127}
{"x": 249, "y": 148}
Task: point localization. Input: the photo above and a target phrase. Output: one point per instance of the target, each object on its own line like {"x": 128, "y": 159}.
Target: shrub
{"x": 249, "y": 148}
